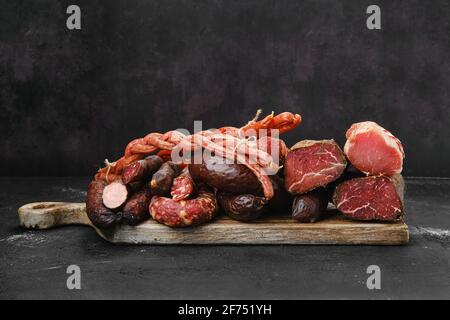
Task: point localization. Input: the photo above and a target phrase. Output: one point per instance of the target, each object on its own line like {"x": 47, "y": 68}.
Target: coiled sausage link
{"x": 185, "y": 213}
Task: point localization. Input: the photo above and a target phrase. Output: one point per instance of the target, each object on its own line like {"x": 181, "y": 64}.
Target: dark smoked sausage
{"x": 135, "y": 210}
{"x": 230, "y": 178}
{"x": 282, "y": 200}
{"x": 243, "y": 207}
{"x": 163, "y": 178}
{"x": 99, "y": 215}
{"x": 311, "y": 206}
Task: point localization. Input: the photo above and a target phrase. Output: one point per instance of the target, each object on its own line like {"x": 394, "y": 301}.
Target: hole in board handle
{"x": 44, "y": 206}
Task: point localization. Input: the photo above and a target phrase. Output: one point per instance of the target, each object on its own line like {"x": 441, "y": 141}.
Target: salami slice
{"x": 182, "y": 187}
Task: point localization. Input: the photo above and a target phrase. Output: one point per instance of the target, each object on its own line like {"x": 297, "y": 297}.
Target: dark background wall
{"x": 69, "y": 99}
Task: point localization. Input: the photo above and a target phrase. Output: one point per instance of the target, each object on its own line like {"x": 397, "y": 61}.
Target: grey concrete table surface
{"x": 33, "y": 263}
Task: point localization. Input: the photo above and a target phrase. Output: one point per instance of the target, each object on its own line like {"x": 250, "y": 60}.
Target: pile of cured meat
{"x": 363, "y": 181}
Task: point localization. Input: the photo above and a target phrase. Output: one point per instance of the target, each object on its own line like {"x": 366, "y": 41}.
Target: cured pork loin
{"x": 311, "y": 164}
{"x": 371, "y": 198}
{"x": 374, "y": 150}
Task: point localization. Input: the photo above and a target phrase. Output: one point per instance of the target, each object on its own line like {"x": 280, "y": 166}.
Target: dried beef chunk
{"x": 371, "y": 198}
{"x": 311, "y": 164}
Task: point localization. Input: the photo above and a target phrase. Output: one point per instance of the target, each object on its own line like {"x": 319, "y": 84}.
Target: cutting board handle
{"x": 45, "y": 215}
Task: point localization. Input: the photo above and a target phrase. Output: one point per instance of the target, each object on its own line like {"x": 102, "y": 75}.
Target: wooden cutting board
{"x": 335, "y": 229}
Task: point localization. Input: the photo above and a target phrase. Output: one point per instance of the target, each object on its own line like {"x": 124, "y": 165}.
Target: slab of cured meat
{"x": 373, "y": 150}
{"x": 311, "y": 164}
{"x": 371, "y": 198}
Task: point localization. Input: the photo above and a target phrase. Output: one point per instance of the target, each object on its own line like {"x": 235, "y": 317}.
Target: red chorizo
{"x": 183, "y": 186}
{"x": 184, "y": 213}
{"x": 99, "y": 215}
{"x": 141, "y": 170}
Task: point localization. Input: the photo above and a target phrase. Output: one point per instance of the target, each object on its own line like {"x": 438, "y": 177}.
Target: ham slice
{"x": 373, "y": 150}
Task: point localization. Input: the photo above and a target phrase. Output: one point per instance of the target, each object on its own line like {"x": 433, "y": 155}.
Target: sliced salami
{"x": 182, "y": 187}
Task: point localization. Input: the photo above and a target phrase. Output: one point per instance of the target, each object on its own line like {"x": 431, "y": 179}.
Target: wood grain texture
{"x": 45, "y": 215}
{"x": 335, "y": 229}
